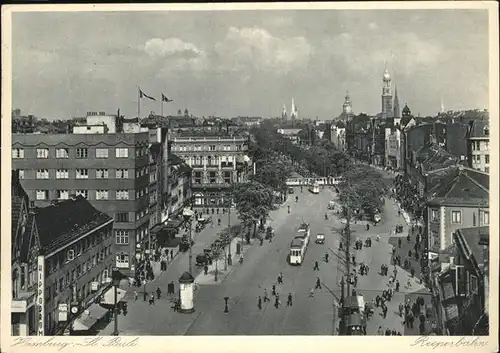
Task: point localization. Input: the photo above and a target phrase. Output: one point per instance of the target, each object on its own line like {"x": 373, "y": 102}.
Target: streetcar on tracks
{"x": 314, "y": 188}
{"x": 298, "y": 246}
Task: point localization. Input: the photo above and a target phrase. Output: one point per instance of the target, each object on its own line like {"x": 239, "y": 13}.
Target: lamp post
{"x": 229, "y": 256}
{"x": 116, "y": 276}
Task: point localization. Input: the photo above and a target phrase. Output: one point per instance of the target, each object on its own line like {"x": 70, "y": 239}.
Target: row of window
{"x": 456, "y": 217}
{"x": 122, "y": 236}
{"x": 480, "y": 145}
{"x": 476, "y": 158}
{"x": 82, "y": 246}
{"x": 99, "y": 194}
{"x": 213, "y": 178}
{"x": 84, "y": 173}
{"x": 80, "y": 153}
{"x": 207, "y": 147}
{"x": 224, "y": 161}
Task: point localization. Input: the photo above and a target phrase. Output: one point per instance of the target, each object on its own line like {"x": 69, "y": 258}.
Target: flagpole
{"x": 161, "y": 100}
{"x": 138, "y": 102}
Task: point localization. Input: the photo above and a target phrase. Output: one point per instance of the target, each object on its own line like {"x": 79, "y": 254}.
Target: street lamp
{"x": 116, "y": 277}
{"x": 188, "y": 216}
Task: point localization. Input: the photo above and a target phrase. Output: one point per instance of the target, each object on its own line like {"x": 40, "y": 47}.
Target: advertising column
{"x": 40, "y": 300}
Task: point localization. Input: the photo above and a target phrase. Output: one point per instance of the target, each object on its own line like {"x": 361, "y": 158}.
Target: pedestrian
{"x": 318, "y": 283}
{"x": 341, "y": 248}
{"x": 399, "y": 243}
{"x": 171, "y": 254}
{"x": 259, "y": 303}
{"x": 276, "y": 301}
{"x": 380, "y": 331}
{"x": 411, "y": 319}
{"x": 289, "y": 301}
{"x": 409, "y": 254}
{"x": 382, "y": 269}
{"x": 355, "y": 281}
{"x": 397, "y": 286}
{"x": 367, "y": 268}
{"x": 135, "y": 295}
{"x": 377, "y": 300}
{"x": 311, "y": 293}
{"x": 152, "y": 299}
{"x": 158, "y": 292}
{"x": 412, "y": 272}
{"x": 274, "y": 290}
{"x": 279, "y": 280}
{"x": 205, "y": 269}
{"x": 421, "y": 329}
{"x": 384, "y": 310}
{"x": 408, "y": 284}
{"x": 401, "y": 308}
{"x": 387, "y": 332}
{"x": 316, "y": 266}
{"x": 354, "y": 260}
{"x": 408, "y": 237}
{"x": 393, "y": 332}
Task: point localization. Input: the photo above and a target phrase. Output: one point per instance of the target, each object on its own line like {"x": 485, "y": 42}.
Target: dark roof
{"x": 178, "y": 163}
{"x": 28, "y": 239}
{"x": 455, "y": 142}
{"x": 61, "y": 223}
{"x": 478, "y": 128}
{"x": 438, "y": 176}
{"x": 472, "y": 237}
{"x": 174, "y": 159}
{"x": 186, "y": 278}
{"x": 463, "y": 188}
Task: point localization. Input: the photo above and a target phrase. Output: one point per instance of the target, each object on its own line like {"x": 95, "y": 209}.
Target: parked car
{"x": 291, "y": 191}
{"x": 320, "y": 238}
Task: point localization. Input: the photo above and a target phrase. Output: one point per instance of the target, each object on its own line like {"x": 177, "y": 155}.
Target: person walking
{"x": 276, "y": 301}
{"x": 289, "y": 301}
{"x": 316, "y": 266}
{"x": 274, "y": 290}
{"x": 397, "y": 286}
{"x": 399, "y": 243}
{"x": 158, "y": 292}
{"x": 266, "y": 296}
{"x": 152, "y": 299}
{"x": 259, "y": 303}
{"x": 135, "y": 295}
{"x": 318, "y": 283}
{"x": 380, "y": 331}
{"x": 384, "y": 310}
{"x": 401, "y": 309}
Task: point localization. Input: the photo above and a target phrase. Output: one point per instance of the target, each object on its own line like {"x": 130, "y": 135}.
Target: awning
{"x": 89, "y": 317}
{"x": 109, "y": 297}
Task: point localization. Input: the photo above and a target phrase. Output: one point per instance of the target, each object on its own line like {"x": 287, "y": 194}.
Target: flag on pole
{"x": 165, "y": 98}
{"x": 144, "y": 95}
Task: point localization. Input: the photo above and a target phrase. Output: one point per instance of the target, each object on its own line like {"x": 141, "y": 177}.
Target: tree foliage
{"x": 253, "y": 201}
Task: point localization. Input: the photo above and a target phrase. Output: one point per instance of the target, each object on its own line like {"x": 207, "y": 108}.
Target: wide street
{"x": 244, "y": 283}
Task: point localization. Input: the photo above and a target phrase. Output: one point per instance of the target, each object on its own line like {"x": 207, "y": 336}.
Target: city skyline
{"x": 248, "y": 62}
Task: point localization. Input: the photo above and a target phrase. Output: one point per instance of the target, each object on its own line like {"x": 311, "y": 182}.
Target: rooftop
{"x": 464, "y": 187}
{"x": 472, "y": 237}
{"x": 478, "y": 129}
{"x": 65, "y": 221}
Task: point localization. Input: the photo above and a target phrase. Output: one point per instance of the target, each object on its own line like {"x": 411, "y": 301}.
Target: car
{"x": 291, "y": 191}
{"x": 320, "y": 238}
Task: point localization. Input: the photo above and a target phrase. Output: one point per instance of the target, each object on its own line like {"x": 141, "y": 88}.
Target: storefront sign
{"x": 40, "y": 300}
{"x": 63, "y": 312}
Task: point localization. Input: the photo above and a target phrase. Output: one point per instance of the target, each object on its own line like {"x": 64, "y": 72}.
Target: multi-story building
{"x": 392, "y": 148}
{"x": 461, "y": 200}
{"x": 478, "y": 145}
{"x": 24, "y": 262}
{"x": 217, "y": 160}
{"x": 180, "y": 179}
{"x": 72, "y": 244}
{"x": 110, "y": 170}
{"x": 460, "y": 287}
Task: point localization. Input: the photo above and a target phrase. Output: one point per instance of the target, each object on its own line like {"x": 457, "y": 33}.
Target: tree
{"x": 253, "y": 202}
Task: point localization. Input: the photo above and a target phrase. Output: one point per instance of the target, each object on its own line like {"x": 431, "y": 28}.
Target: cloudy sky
{"x": 248, "y": 63}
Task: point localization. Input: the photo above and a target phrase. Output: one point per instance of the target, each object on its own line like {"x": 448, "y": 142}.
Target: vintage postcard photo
{"x": 251, "y": 170}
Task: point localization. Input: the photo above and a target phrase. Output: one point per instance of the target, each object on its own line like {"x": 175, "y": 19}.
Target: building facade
{"x": 217, "y": 161}
{"x": 110, "y": 170}
{"x": 461, "y": 200}
{"x": 392, "y": 148}
{"x": 62, "y": 260}
{"x": 478, "y": 145}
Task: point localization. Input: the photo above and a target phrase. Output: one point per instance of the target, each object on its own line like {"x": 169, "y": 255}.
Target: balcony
{"x": 23, "y": 302}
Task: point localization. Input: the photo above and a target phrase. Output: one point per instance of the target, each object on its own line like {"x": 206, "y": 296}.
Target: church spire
{"x": 283, "y": 113}
{"x": 397, "y": 113}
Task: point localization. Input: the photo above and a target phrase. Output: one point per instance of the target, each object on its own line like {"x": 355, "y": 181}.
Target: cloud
{"x": 257, "y": 48}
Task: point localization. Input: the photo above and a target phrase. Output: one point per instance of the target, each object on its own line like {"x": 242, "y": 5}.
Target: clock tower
{"x": 387, "y": 110}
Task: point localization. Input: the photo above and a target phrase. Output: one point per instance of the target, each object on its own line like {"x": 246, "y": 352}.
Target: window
{"x": 122, "y": 217}
{"x": 62, "y": 153}
{"x": 122, "y": 194}
{"x": 456, "y": 217}
{"x": 82, "y": 173}
{"x": 70, "y": 255}
{"x": 122, "y": 236}
{"x": 84, "y": 193}
{"x": 21, "y": 174}
{"x": 42, "y": 174}
{"x": 122, "y": 153}
{"x": 62, "y": 174}
{"x": 486, "y": 218}
{"x": 42, "y": 194}
{"x": 101, "y": 174}
{"x": 473, "y": 219}
{"x": 62, "y": 194}
{"x": 473, "y": 287}
{"x": 434, "y": 215}
{"x": 212, "y": 177}
{"x": 122, "y": 174}
{"x": 101, "y": 194}
{"x": 460, "y": 280}
{"x": 82, "y": 153}
{"x": 227, "y": 177}
{"x": 42, "y": 153}
{"x": 122, "y": 260}
{"x": 101, "y": 153}
{"x": 17, "y": 153}
{"x": 211, "y": 148}
{"x": 487, "y": 158}
{"x": 486, "y": 169}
